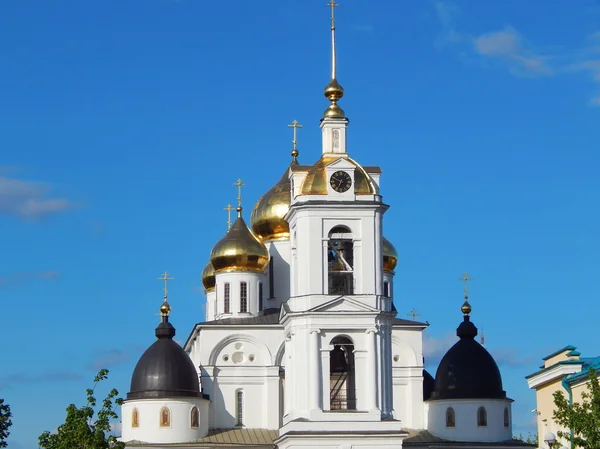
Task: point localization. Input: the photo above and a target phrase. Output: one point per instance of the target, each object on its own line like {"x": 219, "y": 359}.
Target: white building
{"x": 301, "y": 347}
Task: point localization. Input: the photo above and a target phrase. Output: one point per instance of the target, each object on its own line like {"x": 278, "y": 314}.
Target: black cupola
{"x": 467, "y": 371}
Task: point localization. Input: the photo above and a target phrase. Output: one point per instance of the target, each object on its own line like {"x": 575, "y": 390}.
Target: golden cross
{"x": 229, "y": 208}
{"x": 333, "y": 5}
{"x": 413, "y": 313}
{"x": 239, "y": 184}
{"x": 295, "y": 124}
{"x": 165, "y": 277}
{"x": 466, "y": 280}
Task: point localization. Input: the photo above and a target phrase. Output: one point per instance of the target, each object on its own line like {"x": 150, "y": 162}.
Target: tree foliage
{"x": 581, "y": 419}
{"x": 531, "y": 438}
{"x": 84, "y": 428}
{"x": 5, "y": 422}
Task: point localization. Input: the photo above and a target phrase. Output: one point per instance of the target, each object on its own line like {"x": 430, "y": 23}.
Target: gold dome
{"x": 390, "y": 256}
{"x": 239, "y": 250}
{"x": 316, "y": 181}
{"x": 208, "y": 277}
{"x": 466, "y": 307}
{"x": 334, "y": 91}
{"x": 267, "y": 216}
{"x": 165, "y": 308}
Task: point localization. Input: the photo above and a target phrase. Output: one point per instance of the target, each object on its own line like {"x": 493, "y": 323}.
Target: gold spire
{"x": 295, "y": 153}
{"x": 239, "y": 184}
{"x": 466, "y": 307}
{"x": 165, "y": 308}
{"x": 229, "y": 208}
{"x": 334, "y": 91}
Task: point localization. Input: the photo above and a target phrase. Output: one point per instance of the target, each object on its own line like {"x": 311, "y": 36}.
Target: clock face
{"x": 340, "y": 181}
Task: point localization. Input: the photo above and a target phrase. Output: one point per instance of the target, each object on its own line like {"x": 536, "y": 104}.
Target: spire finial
{"x": 229, "y": 208}
{"x": 295, "y": 153}
{"x": 466, "y": 307}
{"x": 334, "y": 91}
{"x": 413, "y": 313}
{"x": 239, "y": 184}
{"x": 165, "y": 308}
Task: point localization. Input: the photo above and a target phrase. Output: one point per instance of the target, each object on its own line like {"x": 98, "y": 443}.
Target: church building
{"x": 300, "y": 346}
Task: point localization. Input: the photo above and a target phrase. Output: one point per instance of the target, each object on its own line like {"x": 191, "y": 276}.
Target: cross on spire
{"x": 229, "y": 208}
{"x": 239, "y": 184}
{"x": 466, "y": 280}
{"x": 165, "y": 278}
{"x": 333, "y": 5}
{"x": 295, "y": 125}
{"x": 413, "y": 313}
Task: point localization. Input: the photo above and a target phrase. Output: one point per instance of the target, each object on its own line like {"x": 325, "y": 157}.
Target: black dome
{"x": 428, "y": 385}
{"x": 468, "y": 371}
{"x": 164, "y": 370}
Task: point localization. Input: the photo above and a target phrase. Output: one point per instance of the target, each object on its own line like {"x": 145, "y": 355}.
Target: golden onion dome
{"x": 390, "y": 256}
{"x": 316, "y": 181}
{"x": 208, "y": 277}
{"x": 239, "y": 250}
{"x": 267, "y": 216}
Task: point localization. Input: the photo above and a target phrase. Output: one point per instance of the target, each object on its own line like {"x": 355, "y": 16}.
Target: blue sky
{"x": 125, "y": 123}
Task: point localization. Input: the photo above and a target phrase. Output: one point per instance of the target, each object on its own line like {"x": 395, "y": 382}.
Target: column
{"x": 287, "y": 386}
{"x": 315, "y": 371}
{"x": 325, "y": 378}
{"x": 371, "y": 370}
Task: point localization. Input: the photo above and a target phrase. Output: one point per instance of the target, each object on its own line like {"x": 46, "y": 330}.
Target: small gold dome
{"x": 239, "y": 250}
{"x": 316, "y": 182}
{"x": 267, "y": 216}
{"x": 466, "y": 307}
{"x": 390, "y": 256}
{"x": 334, "y": 91}
{"x": 165, "y": 308}
{"x": 208, "y": 277}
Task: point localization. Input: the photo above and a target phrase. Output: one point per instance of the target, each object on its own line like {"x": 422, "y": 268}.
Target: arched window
{"x": 506, "y": 418}
{"x": 135, "y": 418}
{"x": 195, "y": 418}
{"x": 340, "y": 261}
{"x": 226, "y": 298}
{"x": 481, "y": 417}
{"x": 165, "y": 417}
{"x": 243, "y": 297}
{"x": 260, "y": 297}
{"x": 450, "y": 417}
{"x": 342, "y": 384}
{"x": 239, "y": 408}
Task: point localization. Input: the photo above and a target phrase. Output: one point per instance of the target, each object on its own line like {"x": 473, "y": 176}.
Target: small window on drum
{"x": 450, "y": 417}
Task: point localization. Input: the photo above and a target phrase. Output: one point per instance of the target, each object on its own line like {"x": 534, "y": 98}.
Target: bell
{"x": 337, "y": 360}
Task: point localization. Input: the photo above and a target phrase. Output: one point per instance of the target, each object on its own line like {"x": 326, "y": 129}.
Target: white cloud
{"x": 29, "y": 200}
{"x": 447, "y": 14}
{"x": 434, "y": 348}
{"x": 19, "y": 278}
{"x": 507, "y": 46}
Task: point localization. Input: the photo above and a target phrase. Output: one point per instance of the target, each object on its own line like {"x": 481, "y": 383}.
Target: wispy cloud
{"x": 434, "y": 348}
{"x": 111, "y": 357}
{"x": 20, "y": 278}
{"x": 40, "y": 377}
{"x": 447, "y": 14}
{"x": 508, "y": 47}
{"x": 511, "y": 357}
{"x": 29, "y": 200}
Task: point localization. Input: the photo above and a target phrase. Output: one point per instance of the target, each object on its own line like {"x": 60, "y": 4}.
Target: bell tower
{"x": 338, "y": 321}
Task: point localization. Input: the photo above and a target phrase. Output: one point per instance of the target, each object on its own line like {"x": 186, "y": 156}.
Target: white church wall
{"x": 234, "y": 279}
{"x": 211, "y": 304}
{"x": 280, "y": 251}
{"x": 466, "y": 428}
{"x": 179, "y": 428}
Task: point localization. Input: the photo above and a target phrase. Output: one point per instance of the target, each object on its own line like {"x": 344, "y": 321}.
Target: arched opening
{"x": 135, "y": 418}
{"x": 165, "y": 417}
{"x": 450, "y": 417}
{"x": 226, "y": 298}
{"x": 239, "y": 408}
{"x": 195, "y": 418}
{"x": 340, "y": 261}
{"x": 243, "y": 297}
{"x": 482, "y": 417}
{"x": 342, "y": 395}
{"x": 506, "y": 418}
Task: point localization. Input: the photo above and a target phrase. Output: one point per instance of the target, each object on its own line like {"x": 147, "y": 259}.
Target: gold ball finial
{"x": 334, "y": 92}
{"x": 165, "y": 308}
{"x": 466, "y": 307}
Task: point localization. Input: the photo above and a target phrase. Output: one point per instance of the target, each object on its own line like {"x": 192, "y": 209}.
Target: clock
{"x": 340, "y": 181}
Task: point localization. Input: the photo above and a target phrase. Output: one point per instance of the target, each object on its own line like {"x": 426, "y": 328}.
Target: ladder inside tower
{"x": 341, "y": 380}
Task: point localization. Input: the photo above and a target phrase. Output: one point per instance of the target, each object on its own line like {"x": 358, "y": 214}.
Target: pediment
{"x": 343, "y": 304}
{"x": 341, "y": 164}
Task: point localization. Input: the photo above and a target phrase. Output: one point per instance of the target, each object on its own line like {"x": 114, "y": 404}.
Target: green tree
{"x": 581, "y": 419}
{"x": 84, "y": 428}
{"x": 5, "y": 422}
{"x": 531, "y": 438}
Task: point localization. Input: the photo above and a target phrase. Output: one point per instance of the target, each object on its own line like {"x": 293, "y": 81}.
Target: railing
{"x": 341, "y": 283}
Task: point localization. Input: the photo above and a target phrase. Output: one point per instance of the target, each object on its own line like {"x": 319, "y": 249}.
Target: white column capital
{"x": 315, "y": 331}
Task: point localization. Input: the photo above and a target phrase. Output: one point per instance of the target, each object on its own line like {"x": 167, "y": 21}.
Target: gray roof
{"x": 269, "y": 318}
{"x": 424, "y": 438}
{"x": 224, "y": 438}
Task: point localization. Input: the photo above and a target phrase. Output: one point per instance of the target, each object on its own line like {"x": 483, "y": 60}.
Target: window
{"x": 135, "y": 418}
{"x": 195, "y": 418}
{"x": 450, "y": 417}
{"x": 482, "y": 417}
{"x": 243, "y": 296}
{"x": 386, "y": 289}
{"x": 340, "y": 261}
{"x": 239, "y": 408}
{"x": 506, "y": 418}
{"x": 226, "y": 301}
{"x": 342, "y": 385}
{"x": 271, "y": 279}
{"x": 260, "y": 296}
{"x": 165, "y": 417}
